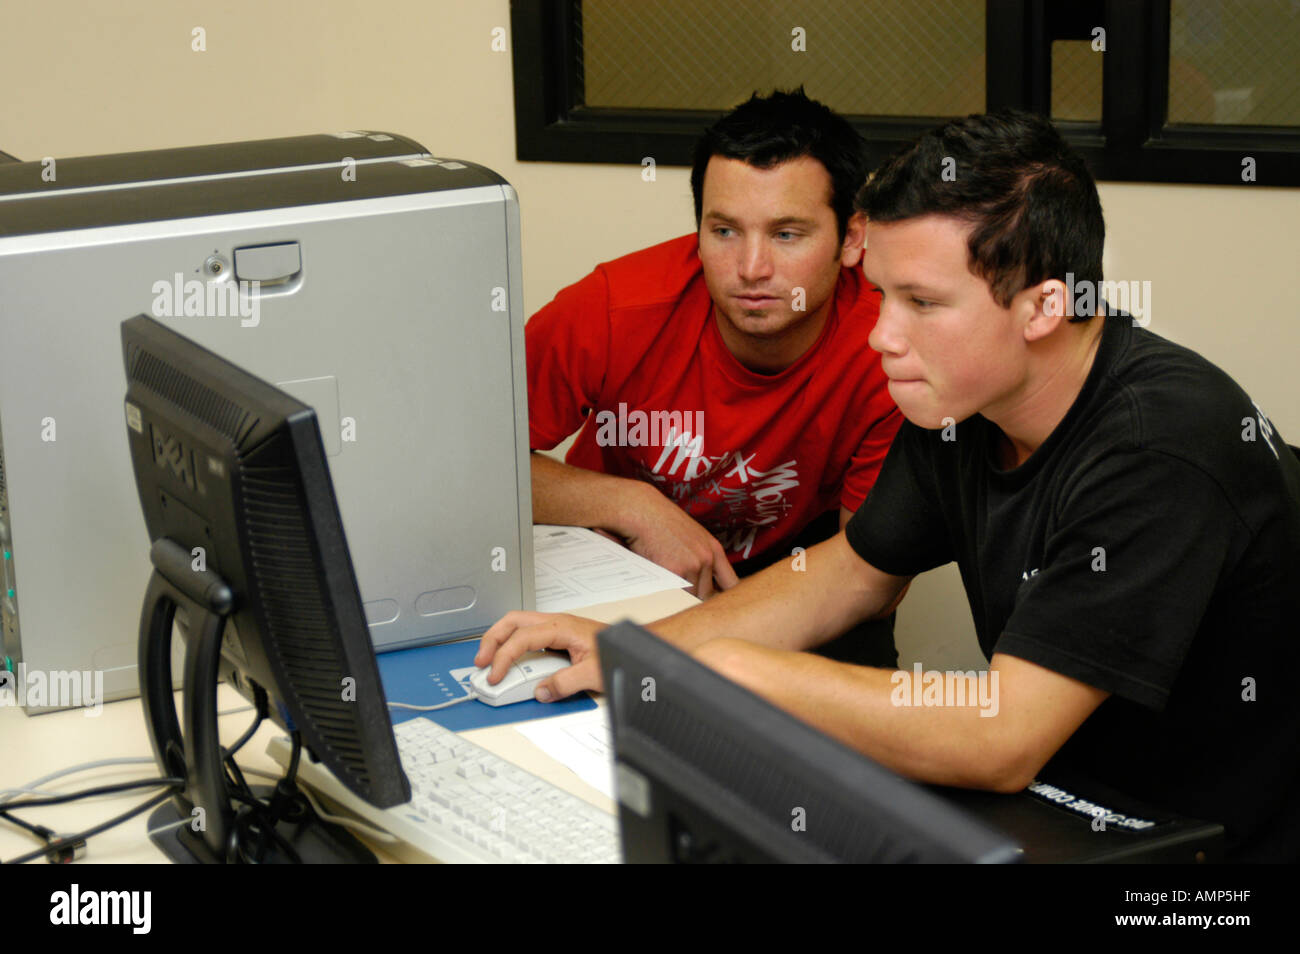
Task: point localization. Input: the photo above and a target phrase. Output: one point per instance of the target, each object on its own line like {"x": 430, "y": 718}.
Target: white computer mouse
{"x": 519, "y": 683}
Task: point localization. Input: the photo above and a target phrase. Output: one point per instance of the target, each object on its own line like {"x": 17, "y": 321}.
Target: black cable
{"x": 170, "y": 780}
{"x": 47, "y": 836}
{"x": 39, "y": 830}
{"x": 71, "y": 847}
{"x": 259, "y": 817}
{"x": 239, "y": 743}
{"x": 241, "y": 834}
{"x": 256, "y": 811}
{"x": 236, "y": 778}
{"x": 246, "y": 798}
{"x": 262, "y": 813}
{"x": 262, "y": 707}
{"x": 69, "y": 841}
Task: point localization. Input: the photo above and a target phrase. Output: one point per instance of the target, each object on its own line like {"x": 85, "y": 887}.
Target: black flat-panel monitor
{"x": 706, "y": 771}
{"x": 235, "y": 491}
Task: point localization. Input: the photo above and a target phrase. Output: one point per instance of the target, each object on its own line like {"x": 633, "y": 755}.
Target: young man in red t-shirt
{"x": 731, "y": 408}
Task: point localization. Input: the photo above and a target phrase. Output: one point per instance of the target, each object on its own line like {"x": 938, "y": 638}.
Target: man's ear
{"x": 1045, "y": 305}
{"x": 855, "y": 238}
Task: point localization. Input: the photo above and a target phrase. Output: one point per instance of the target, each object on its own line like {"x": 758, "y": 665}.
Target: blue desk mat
{"x": 422, "y": 677}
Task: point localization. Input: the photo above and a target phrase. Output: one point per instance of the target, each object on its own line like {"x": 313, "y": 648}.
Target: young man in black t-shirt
{"x": 1126, "y": 520}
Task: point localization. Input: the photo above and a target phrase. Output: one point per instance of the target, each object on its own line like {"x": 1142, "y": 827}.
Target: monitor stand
{"x": 201, "y": 824}
{"x": 313, "y": 840}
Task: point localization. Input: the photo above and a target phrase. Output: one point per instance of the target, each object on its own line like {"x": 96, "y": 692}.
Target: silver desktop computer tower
{"x": 366, "y": 277}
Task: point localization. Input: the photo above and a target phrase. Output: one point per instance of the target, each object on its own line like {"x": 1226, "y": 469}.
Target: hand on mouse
{"x": 519, "y": 632}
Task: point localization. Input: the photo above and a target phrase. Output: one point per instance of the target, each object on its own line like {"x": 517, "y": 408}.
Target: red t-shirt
{"x": 753, "y": 457}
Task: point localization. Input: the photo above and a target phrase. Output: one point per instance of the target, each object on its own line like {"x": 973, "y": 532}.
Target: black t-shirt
{"x": 1151, "y": 548}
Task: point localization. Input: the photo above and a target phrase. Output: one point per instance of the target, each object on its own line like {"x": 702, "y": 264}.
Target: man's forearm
{"x": 575, "y": 496}
{"x": 940, "y": 745}
{"x": 794, "y": 604}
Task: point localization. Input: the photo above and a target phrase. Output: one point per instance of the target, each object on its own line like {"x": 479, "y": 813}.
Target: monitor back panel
{"x": 395, "y": 314}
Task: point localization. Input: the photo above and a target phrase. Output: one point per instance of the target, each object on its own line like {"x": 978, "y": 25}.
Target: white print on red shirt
{"x": 728, "y": 494}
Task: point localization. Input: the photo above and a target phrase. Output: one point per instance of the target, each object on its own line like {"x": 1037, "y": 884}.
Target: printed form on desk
{"x": 580, "y": 742}
{"x": 576, "y": 567}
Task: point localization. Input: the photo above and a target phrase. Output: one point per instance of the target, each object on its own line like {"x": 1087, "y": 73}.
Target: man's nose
{"x": 755, "y": 260}
{"x": 886, "y": 337}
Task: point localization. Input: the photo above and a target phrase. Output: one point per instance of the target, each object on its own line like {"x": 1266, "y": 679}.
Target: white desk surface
{"x": 34, "y": 746}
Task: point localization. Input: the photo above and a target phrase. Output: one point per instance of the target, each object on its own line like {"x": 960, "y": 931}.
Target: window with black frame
{"x": 1202, "y": 91}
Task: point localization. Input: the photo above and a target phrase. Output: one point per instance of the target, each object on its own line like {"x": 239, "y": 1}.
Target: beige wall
{"x": 81, "y": 78}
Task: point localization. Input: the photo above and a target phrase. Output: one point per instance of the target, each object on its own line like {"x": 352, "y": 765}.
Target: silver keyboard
{"x": 471, "y": 806}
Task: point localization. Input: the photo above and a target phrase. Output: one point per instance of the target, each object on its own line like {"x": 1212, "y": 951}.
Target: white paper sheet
{"x": 580, "y": 742}
{"x": 576, "y": 567}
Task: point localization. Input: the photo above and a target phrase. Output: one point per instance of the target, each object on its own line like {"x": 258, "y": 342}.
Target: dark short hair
{"x": 1010, "y": 174}
{"x": 769, "y": 130}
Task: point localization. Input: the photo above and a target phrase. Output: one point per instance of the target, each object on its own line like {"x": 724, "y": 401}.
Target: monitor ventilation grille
{"x": 196, "y": 398}
{"x": 299, "y": 615}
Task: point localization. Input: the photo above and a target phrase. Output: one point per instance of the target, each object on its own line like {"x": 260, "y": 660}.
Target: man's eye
{"x": 722, "y": 231}
{"x": 922, "y": 303}
{"x": 786, "y": 235}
